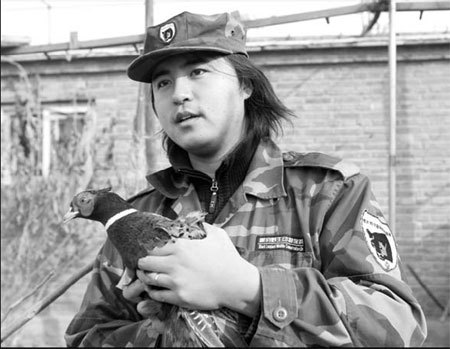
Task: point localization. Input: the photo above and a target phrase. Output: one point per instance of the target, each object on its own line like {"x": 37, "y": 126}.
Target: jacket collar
{"x": 264, "y": 177}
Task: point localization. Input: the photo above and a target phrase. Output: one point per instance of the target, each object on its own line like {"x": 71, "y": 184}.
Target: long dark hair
{"x": 264, "y": 111}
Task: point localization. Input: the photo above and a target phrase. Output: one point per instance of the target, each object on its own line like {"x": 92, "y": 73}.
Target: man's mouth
{"x": 183, "y": 116}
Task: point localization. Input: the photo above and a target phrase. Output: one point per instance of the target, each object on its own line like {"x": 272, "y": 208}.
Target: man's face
{"x": 200, "y": 104}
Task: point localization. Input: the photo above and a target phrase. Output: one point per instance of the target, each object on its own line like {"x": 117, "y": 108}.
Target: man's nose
{"x": 182, "y": 90}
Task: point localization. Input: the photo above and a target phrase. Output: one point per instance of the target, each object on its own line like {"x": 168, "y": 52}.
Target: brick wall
{"x": 341, "y": 96}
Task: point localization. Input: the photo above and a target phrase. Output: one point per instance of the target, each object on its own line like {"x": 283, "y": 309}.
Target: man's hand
{"x": 201, "y": 274}
{"x": 147, "y": 307}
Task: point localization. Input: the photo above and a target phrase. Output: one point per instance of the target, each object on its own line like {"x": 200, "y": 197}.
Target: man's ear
{"x": 247, "y": 90}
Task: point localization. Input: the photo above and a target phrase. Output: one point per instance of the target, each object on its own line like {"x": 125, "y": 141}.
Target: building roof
{"x": 9, "y": 41}
{"x": 264, "y": 44}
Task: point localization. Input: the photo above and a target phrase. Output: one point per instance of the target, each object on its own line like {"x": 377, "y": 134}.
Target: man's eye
{"x": 198, "y": 72}
{"x": 162, "y": 83}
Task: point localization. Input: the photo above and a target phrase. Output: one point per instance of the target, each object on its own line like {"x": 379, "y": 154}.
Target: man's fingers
{"x": 155, "y": 263}
{"x": 163, "y": 296}
{"x": 132, "y": 291}
{"x": 213, "y": 231}
{"x": 165, "y": 250}
{"x": 154, "y": 279}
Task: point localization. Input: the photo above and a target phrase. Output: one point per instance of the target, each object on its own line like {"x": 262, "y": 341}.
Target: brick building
{"x": 340, "y": 91}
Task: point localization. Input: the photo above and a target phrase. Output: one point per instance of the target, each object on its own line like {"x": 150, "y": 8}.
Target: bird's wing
{"x": 135, "y": 235}
{"x": 189, "y": 227}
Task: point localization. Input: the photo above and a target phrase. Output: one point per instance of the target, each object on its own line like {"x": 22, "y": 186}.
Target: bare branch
{"x": 31, "y": 293}
{"x": 41, "y": 305}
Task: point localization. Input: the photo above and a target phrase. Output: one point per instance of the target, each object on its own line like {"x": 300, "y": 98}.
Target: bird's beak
{"x": 70, "y": 215}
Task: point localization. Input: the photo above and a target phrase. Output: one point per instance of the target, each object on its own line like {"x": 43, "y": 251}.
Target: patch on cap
{"x": 167, "y": 32}
{"x": 380, "y": 241}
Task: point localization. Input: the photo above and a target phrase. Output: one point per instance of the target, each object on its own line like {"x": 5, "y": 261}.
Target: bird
{"x": 134, "y": 233}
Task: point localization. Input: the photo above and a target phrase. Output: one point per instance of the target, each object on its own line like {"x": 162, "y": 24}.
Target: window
{"x": 62, "y": 127}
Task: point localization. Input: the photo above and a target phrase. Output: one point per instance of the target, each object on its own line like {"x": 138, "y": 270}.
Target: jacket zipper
{"x": 214, "y": 189}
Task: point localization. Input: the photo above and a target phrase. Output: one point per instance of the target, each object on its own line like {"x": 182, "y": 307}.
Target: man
{"x": 296, "y": 244}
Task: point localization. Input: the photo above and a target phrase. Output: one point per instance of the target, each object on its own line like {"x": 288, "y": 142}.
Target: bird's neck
{"x": 118, "y": 216}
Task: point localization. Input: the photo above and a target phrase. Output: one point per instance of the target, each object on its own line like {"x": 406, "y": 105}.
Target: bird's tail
{"x": 204, "y": 326}
{"x": 215, "y": 329}
{"x": 227, "y": 322}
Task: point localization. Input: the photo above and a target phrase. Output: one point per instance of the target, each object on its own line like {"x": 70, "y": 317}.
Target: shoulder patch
{"x": 380, "y": 240}
{"x": 314, "y": 159}
{"x": 141, "y": 193}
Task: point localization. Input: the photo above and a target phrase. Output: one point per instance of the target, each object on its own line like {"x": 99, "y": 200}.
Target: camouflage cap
{"x": 188, "y": 32}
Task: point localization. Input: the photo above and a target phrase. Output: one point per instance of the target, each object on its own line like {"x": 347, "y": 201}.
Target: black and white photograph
{"x": 243, "y": 173}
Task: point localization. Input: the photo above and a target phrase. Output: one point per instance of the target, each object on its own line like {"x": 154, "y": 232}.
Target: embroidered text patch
{"x": 280, "y": 243}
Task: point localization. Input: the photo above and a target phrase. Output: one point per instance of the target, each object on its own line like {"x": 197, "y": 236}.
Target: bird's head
{"x": 84, "y": 203}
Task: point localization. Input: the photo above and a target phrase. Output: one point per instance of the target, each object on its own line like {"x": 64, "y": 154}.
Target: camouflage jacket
{"x": 330, "y": 270}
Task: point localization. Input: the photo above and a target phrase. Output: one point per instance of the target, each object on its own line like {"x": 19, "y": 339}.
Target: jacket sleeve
{"x": 356, "y": 296}
{"x": 106, "y": 318}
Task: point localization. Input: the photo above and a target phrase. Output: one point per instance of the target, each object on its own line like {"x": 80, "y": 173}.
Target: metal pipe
{"x": 249, "y": 24}
{"x": 392, "y": 113}
{"x": 425, "y": 287}
{"x": 46, "y": 143}
{"x": 49, "y": 21}
{"x": 149, "y": 9}
{"x": 150, "y": 119}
